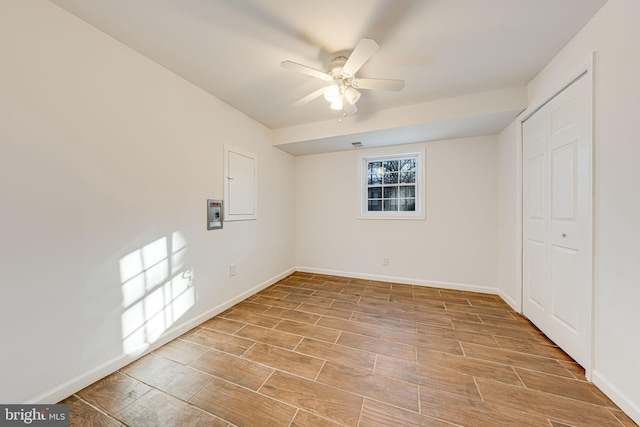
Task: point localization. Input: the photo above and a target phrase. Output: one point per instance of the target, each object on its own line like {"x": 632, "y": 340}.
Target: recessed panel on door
{"x": 564, "y": 181}
{"x": 564, "y": 286}
{"x": 535, "y": 277}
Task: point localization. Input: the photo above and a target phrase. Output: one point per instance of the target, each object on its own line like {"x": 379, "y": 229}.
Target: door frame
{"x": 585, "y": 70}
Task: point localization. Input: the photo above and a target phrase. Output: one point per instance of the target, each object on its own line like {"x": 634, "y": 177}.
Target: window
{"x": 391, "y": 186}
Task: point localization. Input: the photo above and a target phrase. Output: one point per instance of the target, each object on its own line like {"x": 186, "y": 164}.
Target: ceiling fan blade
{"x": 378, "y": 84}
{"x": 294, "y": 66}
{"x": 310, "y": 97}
{"x": 361, "y": 54}
{"x": 349, "y": 109}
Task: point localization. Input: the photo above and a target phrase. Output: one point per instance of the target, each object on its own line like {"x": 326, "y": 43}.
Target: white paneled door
{"x": 557, "y": 223}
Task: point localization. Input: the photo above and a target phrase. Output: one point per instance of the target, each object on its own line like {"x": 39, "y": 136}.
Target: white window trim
{"x": 419, "y": 213}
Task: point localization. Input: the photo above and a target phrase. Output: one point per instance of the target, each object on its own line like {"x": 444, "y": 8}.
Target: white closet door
{"x": 557, "y": 223}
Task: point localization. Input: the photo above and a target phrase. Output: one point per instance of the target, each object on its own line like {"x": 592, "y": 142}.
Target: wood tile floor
{"x": 316, "y": 350}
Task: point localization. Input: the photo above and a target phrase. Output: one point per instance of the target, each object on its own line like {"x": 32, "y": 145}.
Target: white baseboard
{"x": 404, "y": 280}
{"x": 619, "y": 398}
{"x": 83, "y": 380}
{"x": 515, "y": 306}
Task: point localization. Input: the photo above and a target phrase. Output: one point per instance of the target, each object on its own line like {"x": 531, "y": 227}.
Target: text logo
{"x": 34, "y": 415}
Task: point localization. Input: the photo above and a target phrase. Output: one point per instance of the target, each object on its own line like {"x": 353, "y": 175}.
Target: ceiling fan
{"x": 342, "y": 90}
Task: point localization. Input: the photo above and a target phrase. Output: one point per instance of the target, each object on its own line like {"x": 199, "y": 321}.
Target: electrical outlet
{"x": 233, "y": 269}
{"x": 385, "y": 260}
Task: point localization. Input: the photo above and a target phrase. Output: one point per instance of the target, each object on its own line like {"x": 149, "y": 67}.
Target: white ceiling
{"x": 447, "y": 51}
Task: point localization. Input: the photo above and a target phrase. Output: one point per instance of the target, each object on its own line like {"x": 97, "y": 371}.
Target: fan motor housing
{"x": 335, "y": 67}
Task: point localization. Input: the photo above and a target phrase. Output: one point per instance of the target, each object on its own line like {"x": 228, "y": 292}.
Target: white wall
{"x": 509, "y": 217}
{"x": 103, "y": 153}
{"x": 456, "y": 246}
{"x": 615, "y": 37}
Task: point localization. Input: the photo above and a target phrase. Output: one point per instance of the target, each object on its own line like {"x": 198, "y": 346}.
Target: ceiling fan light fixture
{"x": 352, "y": 95}
{"x": 336, "y": 104}
{"x": 332, "y": 92}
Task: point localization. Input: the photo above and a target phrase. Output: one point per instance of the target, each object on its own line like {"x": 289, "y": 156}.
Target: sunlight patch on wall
{"x": 157, "y": 289}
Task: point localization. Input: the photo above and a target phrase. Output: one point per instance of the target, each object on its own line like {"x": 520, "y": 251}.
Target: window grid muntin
{"x": 390, "y": 175}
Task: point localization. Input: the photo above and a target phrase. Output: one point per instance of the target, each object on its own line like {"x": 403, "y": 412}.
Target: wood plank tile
{"x": 269, "y": 336}
{"x": 325, "y": 311}
{"x": 474, "y": 413}
{"x": 379, "y": 309}
{"x": 172, "y": 377}
{"x": 190, "y": 332}
{"x": 351, "y": 326}
{"x": 486, "y": 297}
{"x": 512, "y": 322}
{"x": 574, "y": 369}
{"x": 485, "y": 329}
{"x": 432, "y": 342}
{"x": 285, "y": 360}
{"x": 332, "y": 278}
{"x": 402, "y": 291}
{"x": 374, "y": 295}
{"x": 469, "y": 366}
{"x": 317, "y": 280}
{"x": 384, "y": 321}
{"x": 438, "y": 312}
{"x": 276, "y": 302}
{"x": 251, "y": 307}
{"x": 159, "y": 409}
{"x": 441, "y": 321}
{"x": 457, "y": 335}
{"x": 293, "y": 289}
{"x": 533, "y": 348}
{"x": 411, "y": 314}
{"x": 307, "y": 330}
{"x": 298, "y": 316}
{"x": 180, "y": 351}
{"x": 306, "y": 419}
{"x": 378, "y": 414}
{"x": 114, "y": 392}
{"x": 252, "y": 318}
{"x": 564, "y": 387}
{"x": 222, "y": 324}
{"x": 426, "y": 291}
{"x": 273, "y": 293}
{"x": 232, "y": 368}
{"x": 623, "y": 418}
{"x": 242, "y": 407}
{"x": 326, "y": 286}
{"x": 378, "y": 346}
{"x": 340, "y": 354}
{"x": 513, "y": 358}
{"x": 355, "y": 352}
{"x": 299, "y": 275}
{"x": 550, "y": 406}
{"x": 320, "y": 399}
{"x": 483, "y": 302}
{"x": 221, "y": 341}
{"x": 81, "y": 414}
{"x": 311, "y": 299}
{"x": 427, "y": 301}
{"x": 365, "y": 282}
{"x": 430, "y": 376}
{"x": 383, "y": 388}
{"x": 478, "y": 310}
{"x": 325, "y": 293}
